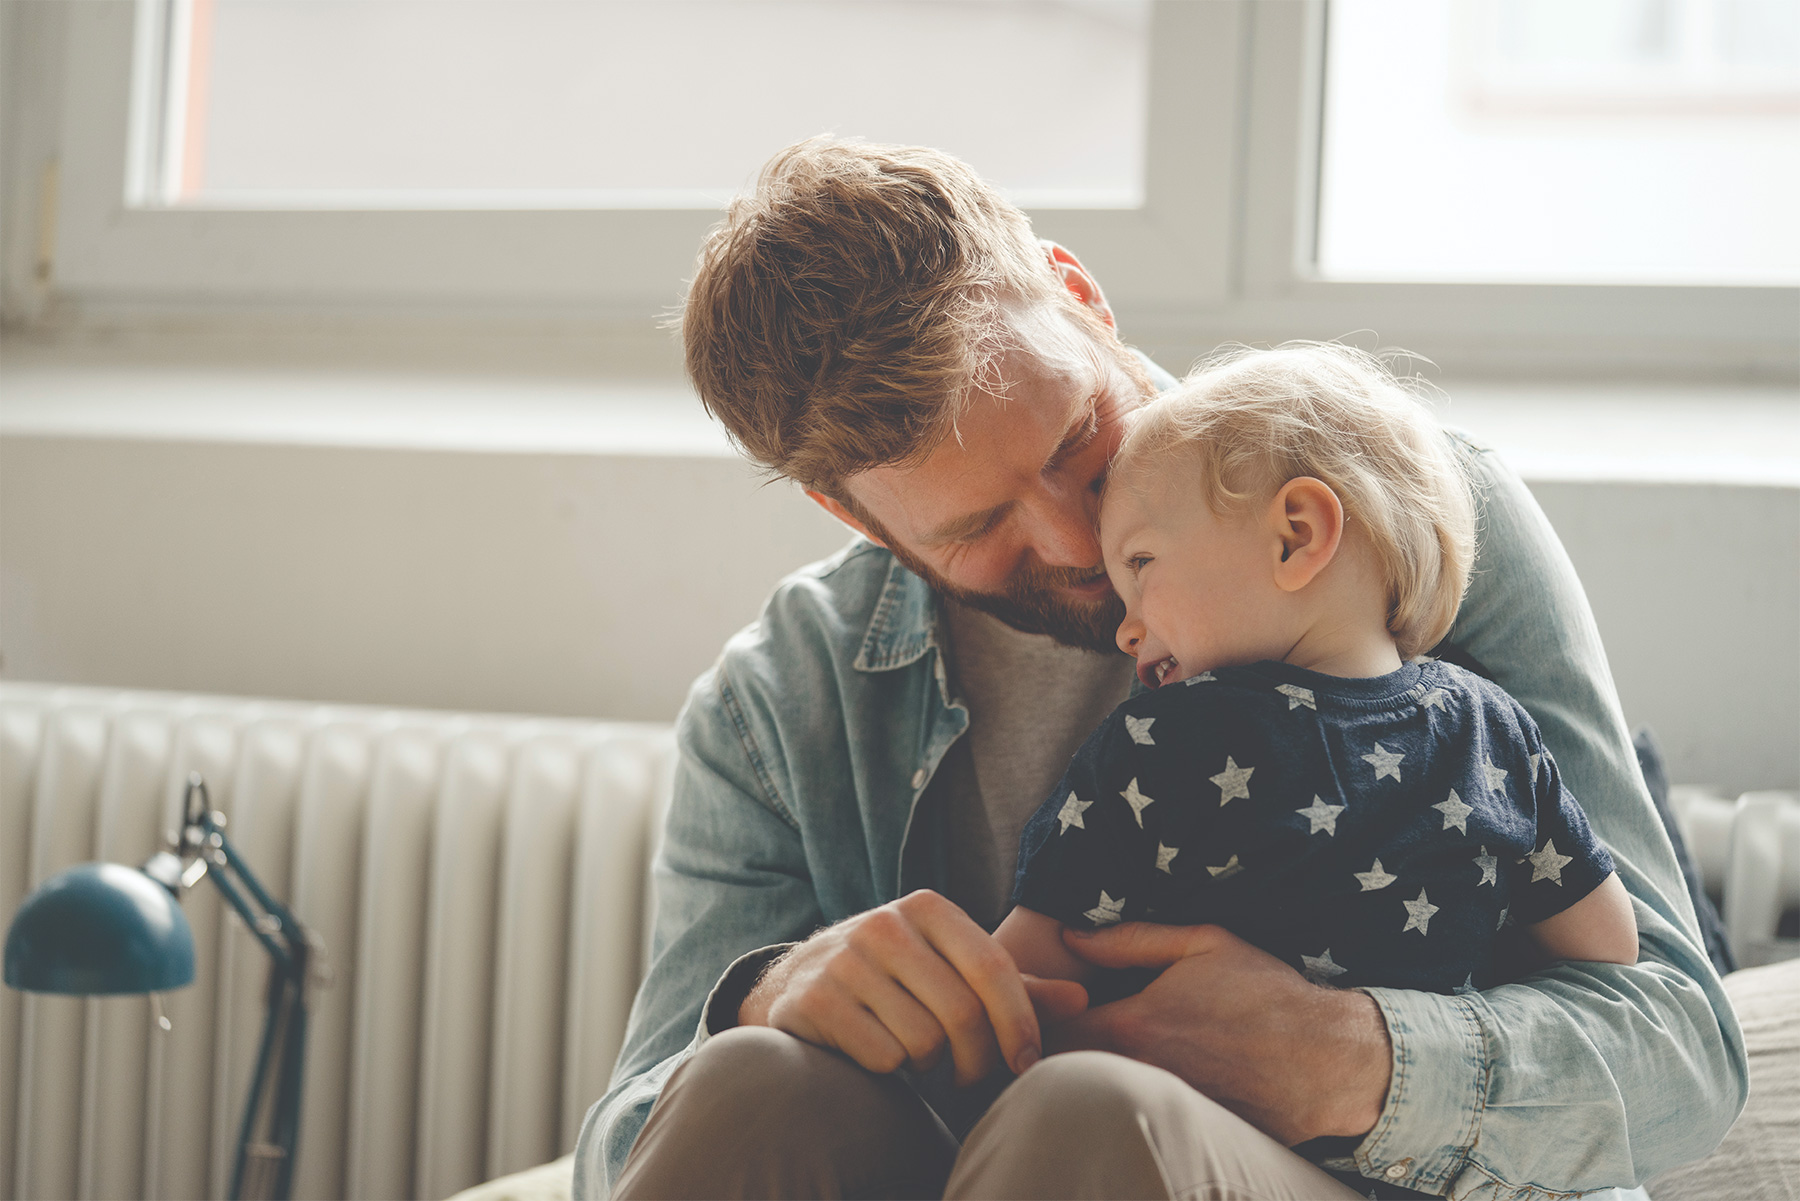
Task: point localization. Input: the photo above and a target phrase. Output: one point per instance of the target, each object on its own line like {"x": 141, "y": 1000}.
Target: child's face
{"x": 1199, "y": 588}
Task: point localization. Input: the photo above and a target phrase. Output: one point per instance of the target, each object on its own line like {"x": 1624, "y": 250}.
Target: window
{"x": 163, "y": 199}
{"x": 546, "y": 103}
{"x": 1203, "y": 158}
{"x": 1611, "y": 141}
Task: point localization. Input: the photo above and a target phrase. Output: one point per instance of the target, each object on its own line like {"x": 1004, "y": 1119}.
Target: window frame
{"x": 1221, "y": 249}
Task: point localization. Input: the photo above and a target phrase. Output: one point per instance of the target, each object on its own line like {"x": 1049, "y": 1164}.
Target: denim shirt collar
{"x": 904, "y": 626}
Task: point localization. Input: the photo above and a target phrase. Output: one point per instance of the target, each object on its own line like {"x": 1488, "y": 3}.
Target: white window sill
{"x": 1688, "y": 433}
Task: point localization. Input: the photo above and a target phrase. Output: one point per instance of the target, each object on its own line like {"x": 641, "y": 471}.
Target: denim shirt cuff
{"x": 1436, "y": 1094}
{"x": 719, "y": 1014}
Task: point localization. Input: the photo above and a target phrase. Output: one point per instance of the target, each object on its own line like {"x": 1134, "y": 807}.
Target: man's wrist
{"x": 1362, "y": 1057}
{"x": 725, "y": 1003}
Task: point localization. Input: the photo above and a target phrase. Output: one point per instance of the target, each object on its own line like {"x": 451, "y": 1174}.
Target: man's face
{"x": 1002, "y": 516}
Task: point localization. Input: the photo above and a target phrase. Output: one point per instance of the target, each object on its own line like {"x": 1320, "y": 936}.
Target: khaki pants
{"x": 758, "y": 1113}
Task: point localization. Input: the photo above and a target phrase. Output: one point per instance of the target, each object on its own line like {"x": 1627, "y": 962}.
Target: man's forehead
{"x": 1031, "y": 401}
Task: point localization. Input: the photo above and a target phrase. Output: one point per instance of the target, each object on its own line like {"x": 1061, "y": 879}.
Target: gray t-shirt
{"x": 1032, "y": 701}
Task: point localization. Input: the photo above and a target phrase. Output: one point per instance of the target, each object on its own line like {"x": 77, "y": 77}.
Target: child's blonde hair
{"x": 1250, "y": 420}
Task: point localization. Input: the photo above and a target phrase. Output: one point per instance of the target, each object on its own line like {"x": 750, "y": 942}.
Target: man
{"x": 877, "y": 324}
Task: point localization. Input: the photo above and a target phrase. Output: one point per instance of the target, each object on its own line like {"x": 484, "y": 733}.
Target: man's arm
{"x": 1582, "y": 1076}
{"x": 731, "y": 879}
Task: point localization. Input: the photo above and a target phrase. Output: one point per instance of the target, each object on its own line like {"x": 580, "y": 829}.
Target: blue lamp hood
{"x": 103, "y": 928}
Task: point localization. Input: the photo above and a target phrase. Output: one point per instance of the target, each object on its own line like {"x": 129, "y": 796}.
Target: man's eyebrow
{"x": 967, "y": 526}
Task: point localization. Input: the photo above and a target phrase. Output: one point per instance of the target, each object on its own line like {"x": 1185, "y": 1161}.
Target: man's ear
{"x": 835, "y": 507}
{"x": 1308, "y": 521}
{"x": 1077, "y": 280}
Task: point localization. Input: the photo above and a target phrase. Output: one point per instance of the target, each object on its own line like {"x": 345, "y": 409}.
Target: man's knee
{"x": 1092, "y": 1091}
{"x": 779, "y": 1073}
{"x": 758, "y": 1113}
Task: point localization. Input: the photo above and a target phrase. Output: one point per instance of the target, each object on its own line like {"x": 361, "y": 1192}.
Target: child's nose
{"x": 1131, "y": 633}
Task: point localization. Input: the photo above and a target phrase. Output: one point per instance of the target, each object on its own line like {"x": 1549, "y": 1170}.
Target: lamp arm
{"x": 264, "y": 1167}
{"x": 225, "y": 857}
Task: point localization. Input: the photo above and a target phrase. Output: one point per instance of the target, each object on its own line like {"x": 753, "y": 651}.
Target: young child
{"x": 1289, "y": 530}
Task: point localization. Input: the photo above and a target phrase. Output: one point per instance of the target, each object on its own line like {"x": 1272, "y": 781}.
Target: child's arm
{"x": 1599, "y": 928}
{"x": 1035, "y": 943}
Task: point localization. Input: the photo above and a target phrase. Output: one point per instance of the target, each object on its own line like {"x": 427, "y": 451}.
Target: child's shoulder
{"x": 1485, "y": 701}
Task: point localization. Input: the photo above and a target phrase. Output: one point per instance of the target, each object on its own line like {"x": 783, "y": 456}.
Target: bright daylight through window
{"x": 543, "y": 103}
{"x": 1604, "y": 141}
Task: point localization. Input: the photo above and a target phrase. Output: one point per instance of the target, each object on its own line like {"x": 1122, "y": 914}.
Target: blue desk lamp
{"x": 101, "y": 928}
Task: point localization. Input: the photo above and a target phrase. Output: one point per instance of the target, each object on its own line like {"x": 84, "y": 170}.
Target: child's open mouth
{"x": 1153, "y": 674}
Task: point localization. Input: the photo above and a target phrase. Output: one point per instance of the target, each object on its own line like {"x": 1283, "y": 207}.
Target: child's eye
{"x": 1136, "y": 563}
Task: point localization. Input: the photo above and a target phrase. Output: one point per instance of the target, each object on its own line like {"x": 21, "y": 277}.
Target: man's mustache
{"x": 1040, "y": 577}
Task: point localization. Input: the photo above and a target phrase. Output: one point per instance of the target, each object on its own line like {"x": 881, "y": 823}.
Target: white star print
{"x": 1320, "y": 969}
{"x": 1468, "y": 984}
{"x": 1108, "y": 910}
{"x": 1374, "y": 878}
{"x": 1535, "y": 760}
{"x": 1497, "y": 924}
{"x": 1231, "y": 868}
{"x": 1297, "y": 696}
{"x": 1164, "y": 856}
{"x": 1205, "y": 677}
{"x": 1139, "y": 729}
{"x": 1488, "y": 865}
{"x": 1494, "y": 774}
{"x": 1418, "y": 914}
{"x": 1385, "y": 762}
{"x": 1137, "y": 800}
{"x": 1434, "y": 699}
{"x": 1322, "y": 816}
{"x": 1234, "y": 781}
{"x": 1070, "y": 814}
{"x": 1455, "y": 812}
{"x": 1547, "y": 864}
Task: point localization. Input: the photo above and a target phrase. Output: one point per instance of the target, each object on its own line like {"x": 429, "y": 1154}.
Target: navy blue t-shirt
{"x": 1366, "y": 831}
{"x": 1375, "y": 832}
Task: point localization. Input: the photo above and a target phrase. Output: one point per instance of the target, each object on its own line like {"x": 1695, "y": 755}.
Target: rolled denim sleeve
{"x": 731, "y": 874}
{"x": 1585, "y": 1075}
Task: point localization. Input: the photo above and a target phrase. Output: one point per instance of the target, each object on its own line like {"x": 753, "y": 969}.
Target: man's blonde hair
{"x": 842, "y": 311}
{"x": 1247, "y": 421}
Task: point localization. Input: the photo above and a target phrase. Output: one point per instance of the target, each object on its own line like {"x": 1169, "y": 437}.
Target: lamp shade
{"x": 102, "y": 928}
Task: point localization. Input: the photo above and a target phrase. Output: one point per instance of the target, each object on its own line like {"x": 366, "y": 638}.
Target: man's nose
{"x": 1067, "y": 533}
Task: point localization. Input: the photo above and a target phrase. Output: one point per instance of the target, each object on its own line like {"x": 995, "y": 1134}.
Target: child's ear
{"x": 1308, "y": 521}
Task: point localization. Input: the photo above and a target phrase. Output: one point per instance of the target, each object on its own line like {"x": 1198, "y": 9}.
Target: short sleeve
{"x": 1566, "y": 862}
{"x": 1084, "y": 857}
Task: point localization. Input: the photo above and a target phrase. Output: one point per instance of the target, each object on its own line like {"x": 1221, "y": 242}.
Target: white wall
{"x": 600, "y": 584}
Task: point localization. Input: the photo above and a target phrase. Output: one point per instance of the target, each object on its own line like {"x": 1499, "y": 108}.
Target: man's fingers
{"x": 984, "y": 966}
{"x": 866, "y": 1039}
{"x": 1139, "y": 944}
{"x": 907, "y": 956}
{"x": 911, "y": 1023}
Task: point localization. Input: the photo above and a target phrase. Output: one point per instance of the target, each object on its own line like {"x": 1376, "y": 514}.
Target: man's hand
{"x": 893, "y": 986}
{"x": 1296, "y": 1060}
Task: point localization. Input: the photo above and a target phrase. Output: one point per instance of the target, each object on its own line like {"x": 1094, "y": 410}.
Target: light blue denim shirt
{"x": 805, "y": 749}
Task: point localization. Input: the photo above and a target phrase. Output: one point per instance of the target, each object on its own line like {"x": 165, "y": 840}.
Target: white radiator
{"x": 478, "y": 884}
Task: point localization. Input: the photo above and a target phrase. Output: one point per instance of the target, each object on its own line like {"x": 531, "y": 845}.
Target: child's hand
{"x": 1055, "y": 1000}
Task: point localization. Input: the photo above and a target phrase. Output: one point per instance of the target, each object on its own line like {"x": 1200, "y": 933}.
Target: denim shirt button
{"x": 919, "y": 779}
{"x": 1395, "y": 1171}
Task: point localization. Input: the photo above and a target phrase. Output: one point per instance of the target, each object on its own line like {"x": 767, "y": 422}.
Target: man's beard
{"x": 1031, "y": 604}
